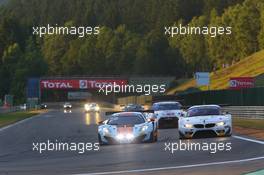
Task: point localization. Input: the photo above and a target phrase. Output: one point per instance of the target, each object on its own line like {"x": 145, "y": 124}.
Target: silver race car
{"x": 167, "y": 113}
{"x": 127, "y": 127}
{"x": 204, "y": 121}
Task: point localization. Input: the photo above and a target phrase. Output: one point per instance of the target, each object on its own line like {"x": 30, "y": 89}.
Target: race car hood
{"x": 124, "y": 129}
{"x": 206, "y": 119}
{"x": 168, "y": 113}
{"x": 113, "y": 130}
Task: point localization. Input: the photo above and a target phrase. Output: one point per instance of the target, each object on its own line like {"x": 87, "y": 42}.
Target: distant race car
{"x": 43, "y": 106}
{"x": 167, "y": 113}
{"x": 67, "y": 105}
{"x": 92, "y": 107}
{"x": 127, "y": 127}
{"x": 133, "y": 107}
{"x": 205, "y": 120}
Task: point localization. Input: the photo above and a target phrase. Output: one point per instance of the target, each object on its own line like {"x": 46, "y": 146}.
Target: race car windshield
{"x": 126, "y": 120}
{"x": 203, "y": 112}
{"x": 170, "y": 106}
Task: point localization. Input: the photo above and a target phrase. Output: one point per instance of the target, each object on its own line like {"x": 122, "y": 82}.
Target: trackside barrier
{"x": 10, "y": 109}
{"x": 256, "y": 112}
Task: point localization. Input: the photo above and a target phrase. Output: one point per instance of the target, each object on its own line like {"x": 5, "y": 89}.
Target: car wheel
{"x": 181, "y": 136}
{"x": 228, "y": 135}
{"x": 156, "y": 137}
{"x": 100, "y": 140}
{"x": 152, "y": 138}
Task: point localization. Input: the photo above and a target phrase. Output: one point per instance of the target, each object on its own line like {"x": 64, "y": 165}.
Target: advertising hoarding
{"x": 202, "y": 78}
{"x": 241, "y": 82}
{"x": 79, "y": 83}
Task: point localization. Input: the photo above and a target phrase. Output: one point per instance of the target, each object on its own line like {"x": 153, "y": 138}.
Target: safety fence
{"x": 241, "y": 97}
{"x": 256, "y": 112}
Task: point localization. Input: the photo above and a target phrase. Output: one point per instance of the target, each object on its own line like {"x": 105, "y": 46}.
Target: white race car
{"x": 92, "y": 107}
{"x": 167, "y": 113}
{"x": 127, "y": 127}
{"x": 67, "y": 107}
{"x": 205, "y": 120}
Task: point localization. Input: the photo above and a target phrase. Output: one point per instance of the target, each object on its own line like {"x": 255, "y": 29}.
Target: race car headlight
{"x": 130, "y": 136}
{"x": 97, "y": 108}
{"x": 220, "y": 124}
{"x": 144, "y": 128}
{"x": 86, "y": 106}
{"x": 125, "y": 136}
{"x": 105, "y": 131}
{"x": 188, "y": 125}
{"x": 120, "y": 136}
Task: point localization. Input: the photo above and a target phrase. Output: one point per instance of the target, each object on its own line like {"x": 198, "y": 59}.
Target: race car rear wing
{"x": 141, "y": 111}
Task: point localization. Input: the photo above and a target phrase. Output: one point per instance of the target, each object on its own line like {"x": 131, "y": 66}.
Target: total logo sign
{"x": 79, "y": 84}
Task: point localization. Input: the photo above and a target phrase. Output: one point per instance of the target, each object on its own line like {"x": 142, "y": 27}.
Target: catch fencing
{"x": 254, "y": 112}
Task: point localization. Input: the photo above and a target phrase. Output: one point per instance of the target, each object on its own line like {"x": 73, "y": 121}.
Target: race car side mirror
{"x": 182, "y": 115}
{"x": 151, "y": 119}
{"x": 226, "y": 113}
{"x": 101, "y": 122}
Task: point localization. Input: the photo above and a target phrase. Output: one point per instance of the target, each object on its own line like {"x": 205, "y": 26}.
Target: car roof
{"x": 166, "y": 102}
{"x": 205, "y": 106}
{"x": 127, "y": 113}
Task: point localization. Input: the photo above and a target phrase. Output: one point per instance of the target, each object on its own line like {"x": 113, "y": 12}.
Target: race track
{"x": 17, "y": 155}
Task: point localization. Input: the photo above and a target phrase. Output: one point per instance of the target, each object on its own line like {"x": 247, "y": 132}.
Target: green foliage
{"x": 131, "y": 40}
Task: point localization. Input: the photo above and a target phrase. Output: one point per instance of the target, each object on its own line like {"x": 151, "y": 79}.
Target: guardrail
{"x": 9, "y": 109}
{"x": 256, "y": 112}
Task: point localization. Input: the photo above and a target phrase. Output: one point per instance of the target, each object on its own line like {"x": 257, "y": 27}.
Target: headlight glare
{"x": 220, "y": 123}
{"x": 105, "y": 130}
{"x": 188, "y": 125}
{"x": 144, "y": 128}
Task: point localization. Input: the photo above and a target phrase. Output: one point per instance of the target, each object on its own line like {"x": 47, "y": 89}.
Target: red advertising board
{"x": 241, "y": 82}
{"x": 79, "y": 83}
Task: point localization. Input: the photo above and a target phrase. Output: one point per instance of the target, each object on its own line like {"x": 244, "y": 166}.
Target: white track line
{"x": 173, "y": 167}
{"x": 249, "y": 140}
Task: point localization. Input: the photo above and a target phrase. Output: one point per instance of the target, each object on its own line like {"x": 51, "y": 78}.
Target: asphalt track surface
{"x": 17, "y": 155}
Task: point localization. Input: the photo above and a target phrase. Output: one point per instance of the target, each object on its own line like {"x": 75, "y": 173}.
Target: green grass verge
{"x": 251, "y": 66}
{"x": 249, "y": 123}
{"x": 9, "y": 118}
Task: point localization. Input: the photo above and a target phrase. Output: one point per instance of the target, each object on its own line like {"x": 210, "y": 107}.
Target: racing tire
{"x": 228, "y": 135}
{"x": 152, "y": 138}
{"x": 101, "y": 143}
{"x": 181, "y": 136}
{"x": 156, "y": 136}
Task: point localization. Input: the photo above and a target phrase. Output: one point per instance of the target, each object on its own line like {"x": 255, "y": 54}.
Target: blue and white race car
{"x": 205, "y": 120}
{"x": 127, "y": 127}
